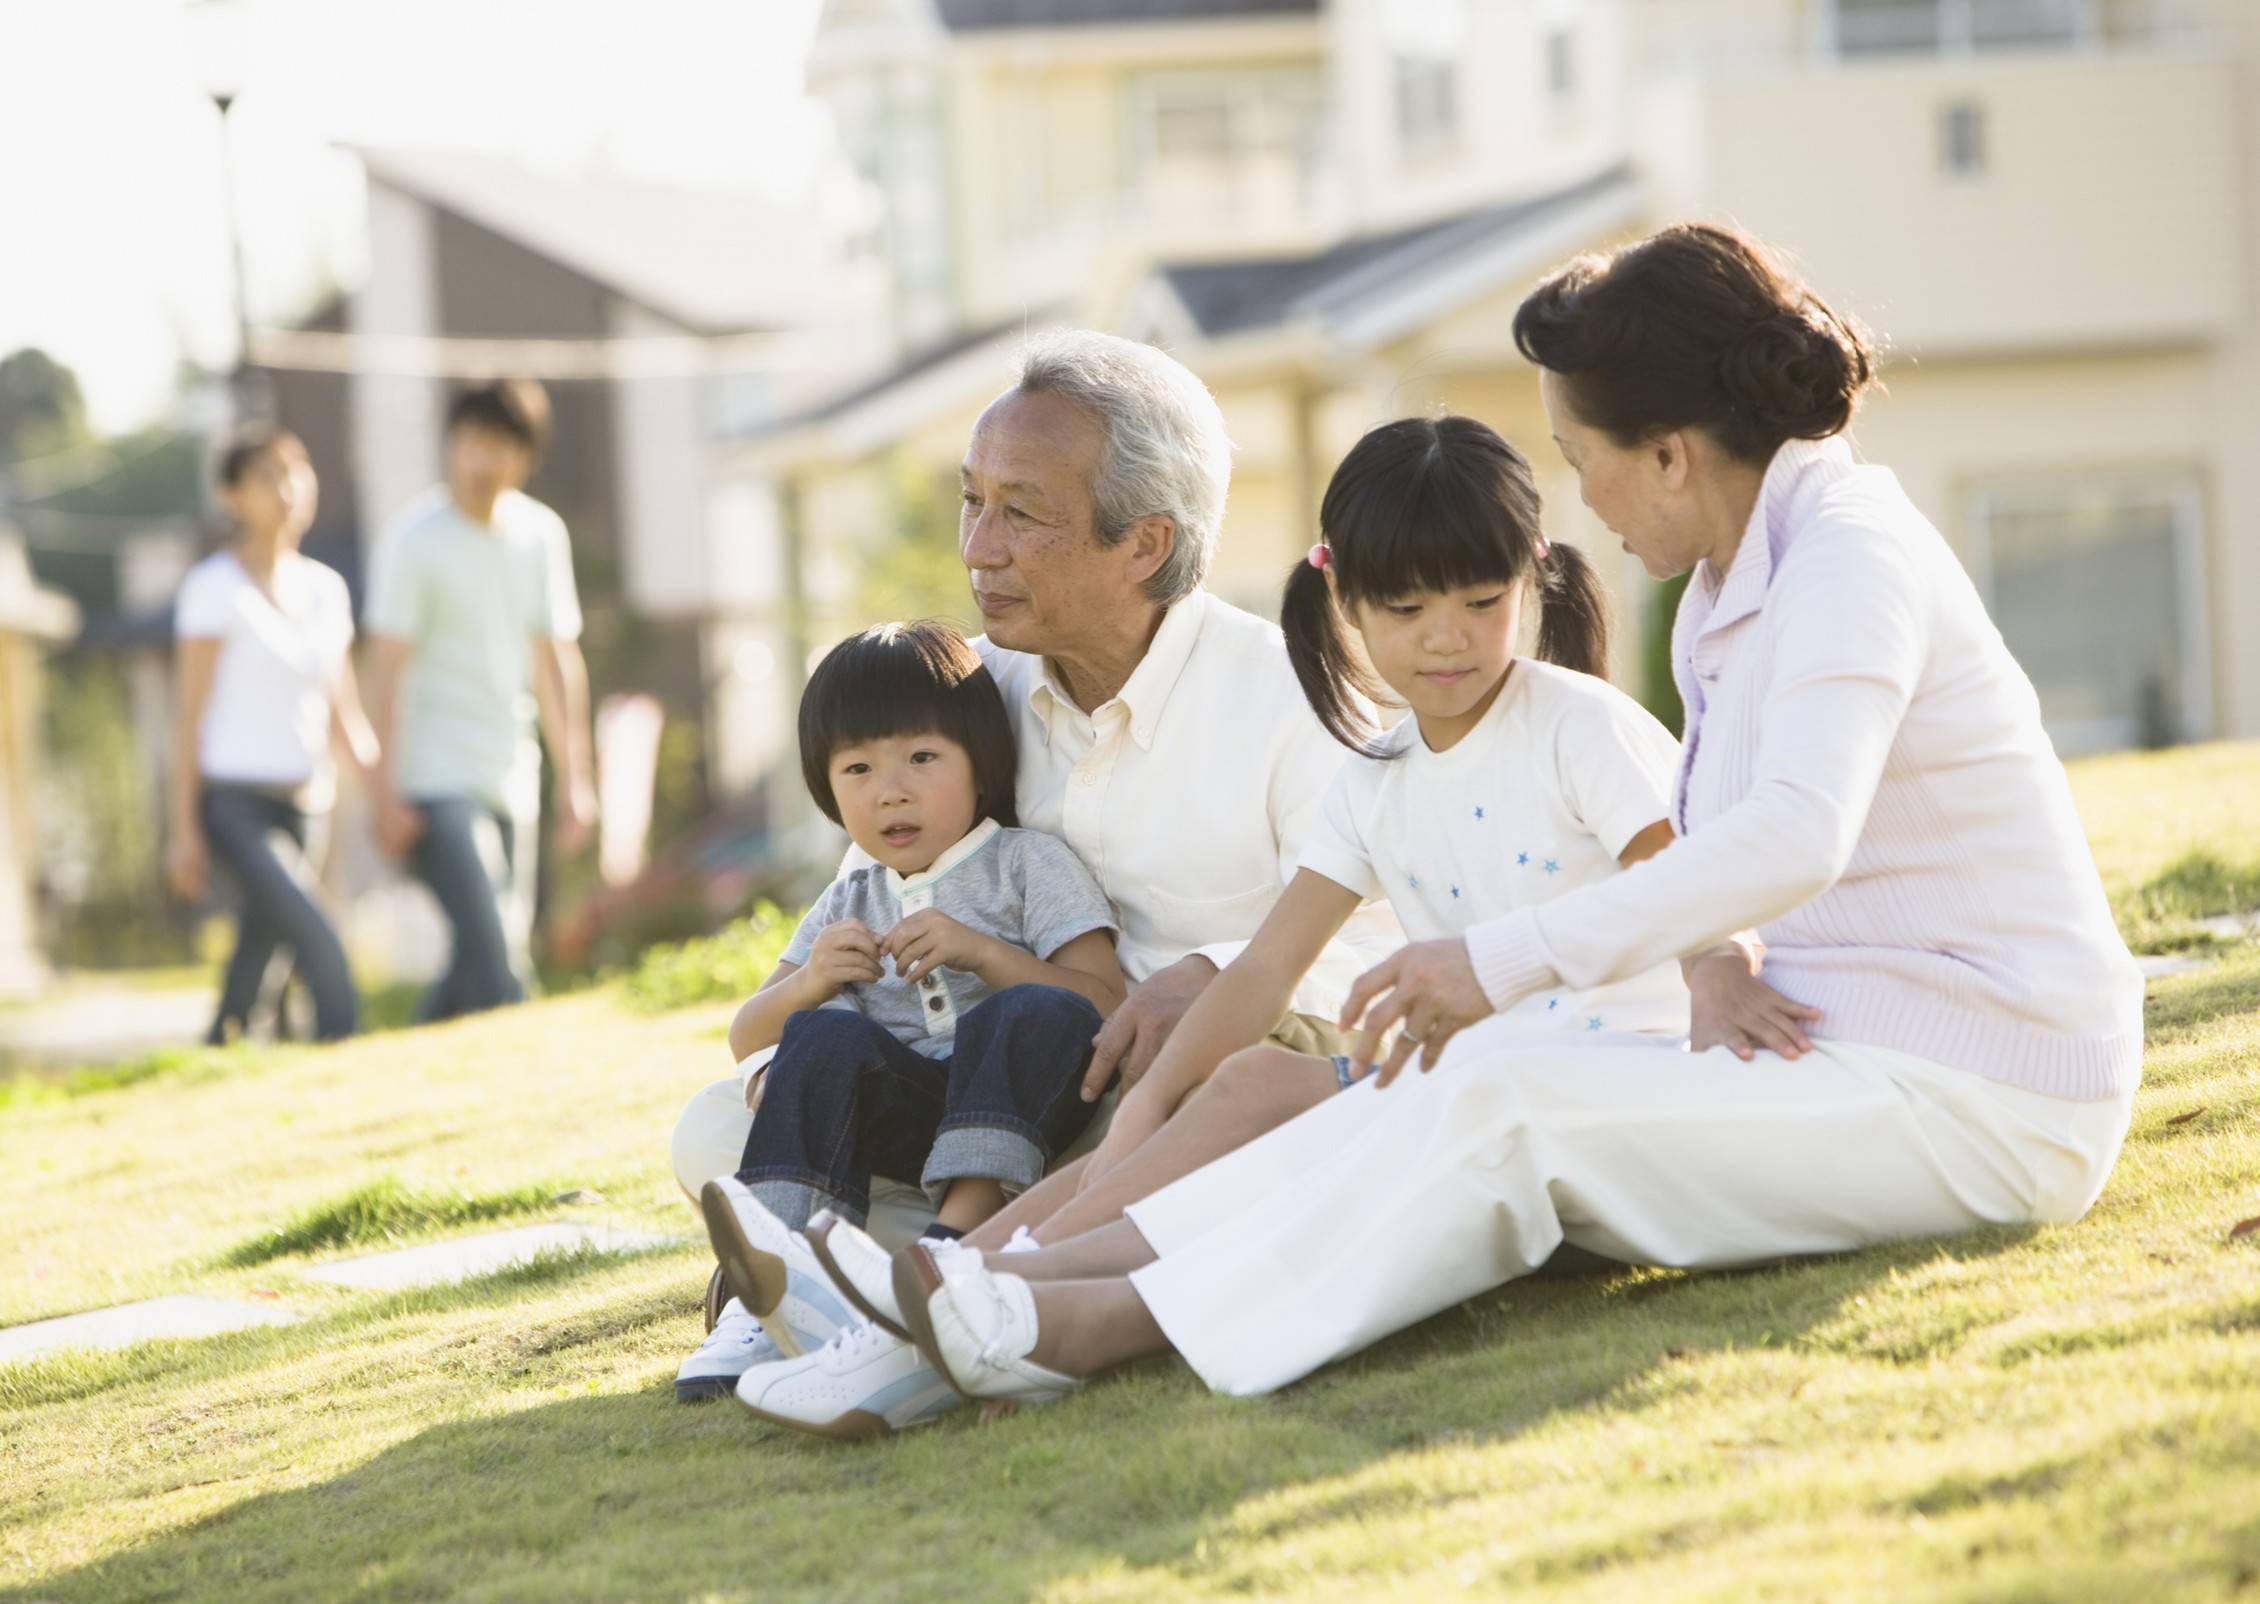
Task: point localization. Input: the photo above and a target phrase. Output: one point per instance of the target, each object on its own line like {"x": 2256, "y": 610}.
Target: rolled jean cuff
{"x": 796, "y": 1202}
{"x": 982, "y": 1153}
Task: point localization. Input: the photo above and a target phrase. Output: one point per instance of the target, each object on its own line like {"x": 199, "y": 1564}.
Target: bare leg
{"x": 1084, "y": 1327}
{"x": 968, "y": 1202}
{"x": 1113, "y": 1249}
{"x": 1253, "y": 1092}
{"x": 1031, "y": 1208}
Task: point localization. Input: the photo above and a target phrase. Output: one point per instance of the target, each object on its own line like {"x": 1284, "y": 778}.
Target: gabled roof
{"x": 967, "y": 16}
{"x": 712, "y": 261}
{"x": 1334, "y": 285}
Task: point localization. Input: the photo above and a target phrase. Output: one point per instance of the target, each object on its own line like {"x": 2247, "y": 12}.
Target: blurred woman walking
{"x": 263, "y": 689}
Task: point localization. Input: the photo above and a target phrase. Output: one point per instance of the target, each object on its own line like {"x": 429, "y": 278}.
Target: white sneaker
{"x": 770, "y": 1269}
{"x": 977, "y": 1327}
{"x": 863, "y": 1383}
{"x": 735, "y": 1345}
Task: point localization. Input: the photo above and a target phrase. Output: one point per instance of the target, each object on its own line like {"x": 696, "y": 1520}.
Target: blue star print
{"x": 1521, "y": 858}
{"x": 1455, "y": 893}
{"x": 1479, "y": 813}
{"x": 1553, "y": 1003}
{"x": 1553, "y": 866}
{"x": 1593, "y": 1024}
{"x": 1413, "y": 880}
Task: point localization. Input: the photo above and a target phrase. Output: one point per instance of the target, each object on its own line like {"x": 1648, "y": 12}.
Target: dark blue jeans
{"x": 845, "y": 1101}
{"x": 468, "y": 857}
{"x": 264, "y": 840}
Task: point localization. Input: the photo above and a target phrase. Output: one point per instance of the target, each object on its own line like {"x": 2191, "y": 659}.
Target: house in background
{"x": 1330, "y": 211}
{"x": 33, "y": 619}
{"x": 658, "y": 318}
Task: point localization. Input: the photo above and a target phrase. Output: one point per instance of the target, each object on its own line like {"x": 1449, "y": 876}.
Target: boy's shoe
{"x": 863, "y": 1271}
{"x": 863, "y": 1383}
{"x": 977, "y": 1327}
{"x": 770, "y": 1269}
{"x": 735, "y": 1345}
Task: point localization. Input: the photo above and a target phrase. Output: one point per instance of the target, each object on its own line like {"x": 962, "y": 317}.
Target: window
{"x": 1931, "y": 27}
{"x": 1225, "y": 140}
{"x": 1561, "y": 64}
{"x": 1428, "y": 104}
{"x": 2098, "y": 588}
{"x": 1961, "y": 138}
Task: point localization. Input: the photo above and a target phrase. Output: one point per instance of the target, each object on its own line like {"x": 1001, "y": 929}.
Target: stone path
{"x": 432, "y": 1264}
{"x": 179, "y": 1316}
{"x": 103, "y": 1025}
{"x": 442, "y": 1263}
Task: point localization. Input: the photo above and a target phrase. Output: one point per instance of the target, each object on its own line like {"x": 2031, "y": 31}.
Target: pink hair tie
{"x": 1320, "y": 556}
{"x": 1545, "y": 548}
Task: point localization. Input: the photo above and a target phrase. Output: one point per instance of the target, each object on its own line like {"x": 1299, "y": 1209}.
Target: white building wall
{"x": 396, "y": 433}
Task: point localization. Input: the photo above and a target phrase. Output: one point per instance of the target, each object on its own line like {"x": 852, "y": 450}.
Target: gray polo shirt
{"x": 1021, "y": 887}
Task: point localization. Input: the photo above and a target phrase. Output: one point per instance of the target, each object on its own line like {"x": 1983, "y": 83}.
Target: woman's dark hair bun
{"x": 1796, "y": 377}
{"x": 1697, "y": 326}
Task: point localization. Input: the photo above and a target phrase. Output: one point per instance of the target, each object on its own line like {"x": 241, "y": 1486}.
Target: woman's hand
{"x": 1730, "y": 1007}
{"x": 184, "y": 864}
{"x": 930, "y": 940}
{"x": 1430, "y": 989}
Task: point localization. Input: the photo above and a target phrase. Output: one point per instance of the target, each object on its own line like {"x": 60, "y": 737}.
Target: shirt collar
{"x": 1743, "y": 590}
{"x": 971, "y": 842}
{"x": 1150, "y": 683}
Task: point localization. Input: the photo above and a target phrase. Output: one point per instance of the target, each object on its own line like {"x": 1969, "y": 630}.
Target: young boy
{"x": 474, "y": 622}
{"x": 934, "y": 1013}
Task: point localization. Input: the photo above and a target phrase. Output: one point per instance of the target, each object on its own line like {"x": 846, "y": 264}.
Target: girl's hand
{"x": 930, "y": 940}
{"x": 843, "y": 954}
{"x": 184, "y": 865}
{"x": 1730, "y": 1007}
{"x": 1430, "y": 989}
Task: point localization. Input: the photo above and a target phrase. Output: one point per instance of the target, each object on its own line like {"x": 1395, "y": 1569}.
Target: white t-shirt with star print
{"x": 1538, "y": 799}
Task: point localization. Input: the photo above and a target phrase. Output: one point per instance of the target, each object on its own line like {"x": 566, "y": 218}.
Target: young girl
{"x": 1510, "y": 783}
{"x": 935, "y": 1010}
{"x": 263, "y": 693}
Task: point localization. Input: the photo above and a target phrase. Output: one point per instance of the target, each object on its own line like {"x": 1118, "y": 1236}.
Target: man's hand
{"x": 576, "y": 816}
{"x": 844, "y": 954}
{"x": 929, "y": 940}
{"x": 1730, "y": 1007}
{"x": 184, "y": 864}
{"x": 1430, "y": 989}
{"x": 398, "y": 824}
{"x": 1133, "y": 1035}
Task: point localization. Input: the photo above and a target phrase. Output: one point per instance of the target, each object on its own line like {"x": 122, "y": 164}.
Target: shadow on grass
{"x": 633, "y": 1495}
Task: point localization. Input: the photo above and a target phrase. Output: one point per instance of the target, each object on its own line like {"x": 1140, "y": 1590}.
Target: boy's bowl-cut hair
{"x": 517, "y": 409}
{"x": 920, "y": 678}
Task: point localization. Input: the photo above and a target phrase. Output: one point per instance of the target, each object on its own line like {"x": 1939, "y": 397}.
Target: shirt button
{"x": 935, "y": 1003}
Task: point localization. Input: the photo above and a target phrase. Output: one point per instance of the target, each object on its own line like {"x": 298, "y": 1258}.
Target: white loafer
{"x": 863, "y": 1271}
{"x": 977, "y": 1327}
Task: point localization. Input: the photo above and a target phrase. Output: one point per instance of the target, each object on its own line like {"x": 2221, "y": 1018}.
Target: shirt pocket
{"x": 1203, "y": 921}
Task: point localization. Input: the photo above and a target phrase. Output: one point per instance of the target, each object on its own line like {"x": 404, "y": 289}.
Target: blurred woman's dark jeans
{"x": 269, "y": 844}
{"x": 468, "y": 856}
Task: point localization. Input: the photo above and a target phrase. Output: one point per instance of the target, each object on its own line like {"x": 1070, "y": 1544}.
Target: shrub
{"x": 728, "y": 964}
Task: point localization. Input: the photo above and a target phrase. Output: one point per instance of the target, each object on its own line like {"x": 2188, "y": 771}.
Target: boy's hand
{"x": 844, "y": 954}
{"x": 930, "y": 940}
{"x": 1730, "y": 1007}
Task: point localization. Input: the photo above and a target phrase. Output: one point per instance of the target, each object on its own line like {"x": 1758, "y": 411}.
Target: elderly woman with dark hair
{"x": 1863, "y": 780}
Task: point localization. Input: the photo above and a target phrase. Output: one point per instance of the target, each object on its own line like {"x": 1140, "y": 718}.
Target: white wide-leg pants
{"x": 1381, "y": 1207}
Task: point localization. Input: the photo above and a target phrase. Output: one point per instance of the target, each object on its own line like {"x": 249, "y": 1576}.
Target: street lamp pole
{"x": 218, "y": 30}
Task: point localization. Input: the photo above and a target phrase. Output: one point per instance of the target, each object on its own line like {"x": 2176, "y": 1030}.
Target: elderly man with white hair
{"x": 1161, "y": 733}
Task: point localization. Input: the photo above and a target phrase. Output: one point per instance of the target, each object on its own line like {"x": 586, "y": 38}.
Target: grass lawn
{"x": 2044, "y": 1414}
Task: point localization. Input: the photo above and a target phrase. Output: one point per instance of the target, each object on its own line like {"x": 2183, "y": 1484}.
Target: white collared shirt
{"x": 1190, "y": 792}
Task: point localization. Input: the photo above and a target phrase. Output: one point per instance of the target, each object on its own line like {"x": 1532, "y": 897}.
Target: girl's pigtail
{"x": 1332, "y": 676}
{"x": 1573, "y": 618}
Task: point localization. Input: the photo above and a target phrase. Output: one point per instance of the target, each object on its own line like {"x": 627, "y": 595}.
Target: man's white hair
{"x": 1166, "y": 452}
